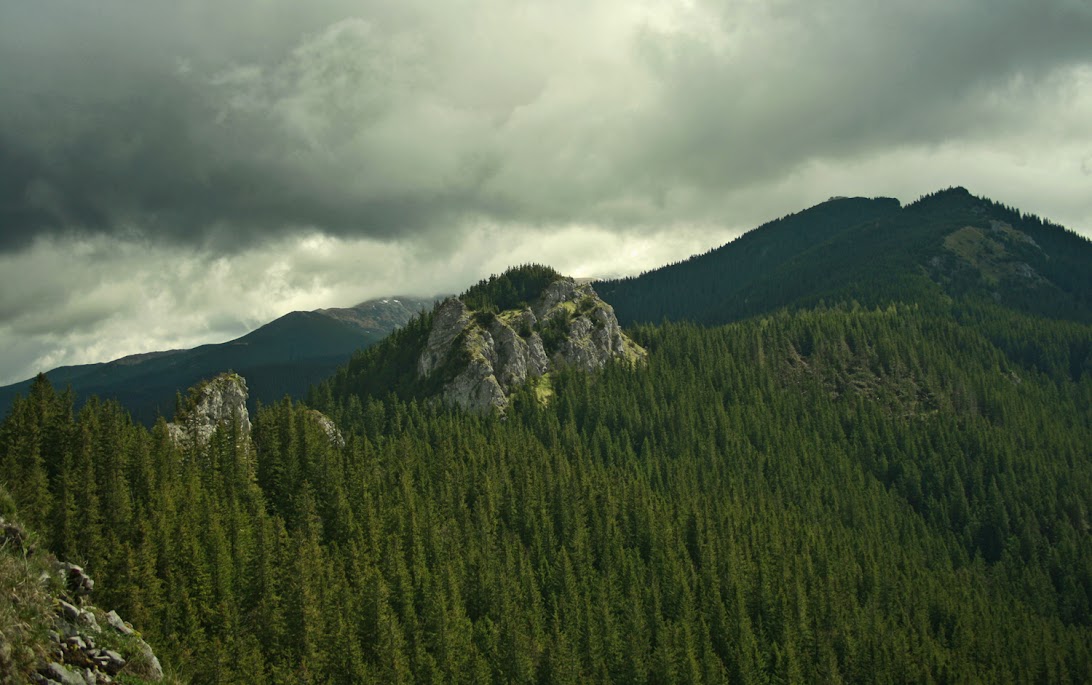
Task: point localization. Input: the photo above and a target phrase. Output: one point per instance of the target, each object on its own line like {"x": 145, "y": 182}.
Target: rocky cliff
{"x": 210, "y": 404}
{"x": 218, "y": 401}
{"x": 481, "y": 356}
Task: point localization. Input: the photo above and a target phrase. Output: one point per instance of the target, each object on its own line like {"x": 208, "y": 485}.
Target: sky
{"x": 175, "y": 173}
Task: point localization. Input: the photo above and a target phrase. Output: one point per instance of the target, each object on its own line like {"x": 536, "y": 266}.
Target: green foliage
{"x": 484, "y": 317}
{"x": 837, "y": 494}
{"x": 7, "y": 503}
{"x": 390, "y": 367}
{"x": 554, "y": 331}
{"x": 873, "y": 252}
{"x": 514, "y": 289}
{"x": 26, "y": 609}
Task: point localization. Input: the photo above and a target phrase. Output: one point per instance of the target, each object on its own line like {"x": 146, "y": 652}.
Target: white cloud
{"x": 101, "y": 299}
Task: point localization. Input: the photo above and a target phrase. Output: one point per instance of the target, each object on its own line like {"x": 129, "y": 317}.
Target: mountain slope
{"x": 948, "y": 244}
{"x": 827, "y": 495}
{"x": 283, "y": 357}
{"x": 834, "y": 493}
{"x": 49, "y": 630}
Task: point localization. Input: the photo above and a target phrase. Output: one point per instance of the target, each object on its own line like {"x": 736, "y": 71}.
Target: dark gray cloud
{"x": 101, "y": 298}
{"x": 173, "y": 173}
{"x": 216, "y": 125}
{"x": 842, "y": 79}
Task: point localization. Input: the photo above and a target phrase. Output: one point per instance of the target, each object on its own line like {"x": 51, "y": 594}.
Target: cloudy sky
{"x": 173, "y": 173}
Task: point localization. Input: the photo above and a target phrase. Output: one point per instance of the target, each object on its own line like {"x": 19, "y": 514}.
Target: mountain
{"x": 949, "y": 244}
{"x": 888, "y": 480}
{"x": 474, "y": 351}
{"x": 283, "y": 357}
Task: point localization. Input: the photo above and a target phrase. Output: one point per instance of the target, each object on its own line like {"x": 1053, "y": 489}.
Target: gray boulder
{"x": 60, "y": 674}
{"x": 450, "y": 319}
{"x": 115, "y": 622}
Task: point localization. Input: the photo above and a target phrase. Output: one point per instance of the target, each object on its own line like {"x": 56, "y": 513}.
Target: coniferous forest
{"x": 517, "y": 342}
{"x": 837, "y": 493}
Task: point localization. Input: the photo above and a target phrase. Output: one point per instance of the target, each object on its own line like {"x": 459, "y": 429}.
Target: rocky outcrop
{"x": 217, "y": 402}
{"x": 85, "y": 645}
{"x": 211, "y": 404}
{"x": 449, "y": 321}
{"x": 479, "y": 358}
{"x": 327, "y": 426}
{"x": 592, "y": 335}
{"x": 92, "y": 646}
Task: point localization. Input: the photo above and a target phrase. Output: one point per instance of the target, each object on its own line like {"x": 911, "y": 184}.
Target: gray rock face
{"x": 326, "y": 424}
{"x": 87, "y": 620}
{"x": 109, "y": 661}
{"x": 59, "y": 674}
{"x": 449, "y": 321}
{"x": 210, "y": 405}
{"x": 78, "y": 582}
{"x": 453, "y": 334}
{"x": 490, "y": 356}
{"x": 564, "y": 290}
{"x": 518, "y": 359}
{"x": 594, "y": 338}
{"x": 144, "y": 663}
{"x": 476, "y": 388}
{"x": 70, "y": 612}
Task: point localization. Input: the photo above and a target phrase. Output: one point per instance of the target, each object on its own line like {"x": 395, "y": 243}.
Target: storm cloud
{"x": 208, "y": 133}
{"x": 212, "y": 124}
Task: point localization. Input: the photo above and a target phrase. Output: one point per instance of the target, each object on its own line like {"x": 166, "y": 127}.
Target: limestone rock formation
{"x": 326, "y": 424}
{"x": 480, "y": 357}
{"x": 216, "y": 402}
{"x": 213, "y": 403}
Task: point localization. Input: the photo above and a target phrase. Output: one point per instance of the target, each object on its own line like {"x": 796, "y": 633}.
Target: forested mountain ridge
{"x": 283, "y": 357}
{"x": 949, "y": 244}
{"x": 744, "y": 507}
{"x": 840, "y": 492}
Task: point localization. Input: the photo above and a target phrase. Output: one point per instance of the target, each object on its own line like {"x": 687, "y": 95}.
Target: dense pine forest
{"x": 946, "y": 244}
{"x": 840, "y": 493}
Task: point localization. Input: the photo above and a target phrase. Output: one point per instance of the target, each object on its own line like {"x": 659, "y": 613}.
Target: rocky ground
{"x": 51, "y": 632}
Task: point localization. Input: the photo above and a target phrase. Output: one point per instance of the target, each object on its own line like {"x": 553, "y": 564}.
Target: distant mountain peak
{"x": 380, "y": 314}
{"x": 953, "y": 196}
{"x": 947, "y": 244}
{"x": 283, "y": 357}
